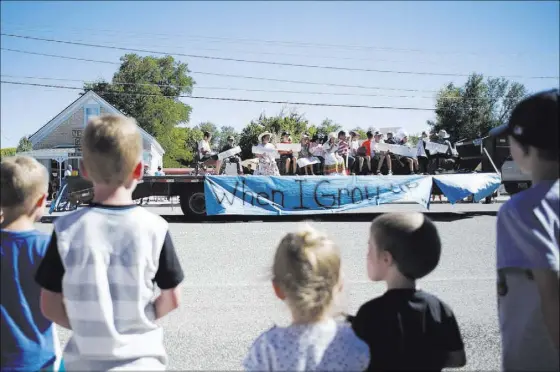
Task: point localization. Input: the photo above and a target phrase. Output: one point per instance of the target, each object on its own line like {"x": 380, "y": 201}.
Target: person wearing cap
{"x": 412, "y": 162}
{"x": 205, "y": 153}
{"x": 287, "y": 157}
{"x": 316, "y": 149}
{"x": 421, "y": 154}
{"x": 527, "y": 240}
{"x": 230, "y": 143}
{"x": 382, "y": 156}
{"x": 267, "y": 161}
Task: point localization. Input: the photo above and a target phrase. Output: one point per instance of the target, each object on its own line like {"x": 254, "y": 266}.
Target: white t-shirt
{"x": 325, "y": 346}
{"x": 203, "y": 146}
{"x": 420, "y": 147}
{"x": 527, "y": 239}
{"x": 67, "y": 173}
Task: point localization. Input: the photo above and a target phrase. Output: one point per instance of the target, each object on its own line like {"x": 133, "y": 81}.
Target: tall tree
{"x": 210, "y": 127}
{"x": 292, "y": 122}
{"x": 225, "y": 132}
{"x": 24, "y": 144}
{"x": 472, "y": 110}
{"x": 148, "y": 89}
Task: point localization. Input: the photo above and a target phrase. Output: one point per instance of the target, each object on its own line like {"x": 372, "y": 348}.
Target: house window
{"x": 90, "y": 112}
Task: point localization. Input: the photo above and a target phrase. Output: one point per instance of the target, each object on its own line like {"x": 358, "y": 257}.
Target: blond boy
{"x": 99, "y": 275}
{"x": 407, "y": 328}
{"x": 27, "y": 336}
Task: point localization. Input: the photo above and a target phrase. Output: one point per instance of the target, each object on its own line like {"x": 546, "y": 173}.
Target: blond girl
{"x": 307, "y": 277}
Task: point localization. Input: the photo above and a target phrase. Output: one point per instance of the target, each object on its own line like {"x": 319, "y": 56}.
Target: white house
{"x": 58, "y": 142}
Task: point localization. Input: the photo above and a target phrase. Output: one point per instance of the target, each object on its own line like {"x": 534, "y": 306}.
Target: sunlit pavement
{"x": 228, "y": 300}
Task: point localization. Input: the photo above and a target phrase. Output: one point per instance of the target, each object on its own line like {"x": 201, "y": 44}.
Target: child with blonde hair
{"x": 407, "y": 328}
{"x": 307, "y": 277}
{"x": 100, "y": 272}
{"x": 28, "y": 337}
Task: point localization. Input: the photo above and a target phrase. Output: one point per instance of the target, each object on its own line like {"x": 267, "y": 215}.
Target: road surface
{"x": 228, "y": 299}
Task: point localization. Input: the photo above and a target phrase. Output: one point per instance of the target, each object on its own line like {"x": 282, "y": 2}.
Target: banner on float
{"x": 268, "y": 195}
{"x": 456, "y": 187}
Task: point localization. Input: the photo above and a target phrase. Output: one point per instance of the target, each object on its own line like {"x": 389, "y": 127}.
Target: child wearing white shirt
{"x": 307, "y": 277}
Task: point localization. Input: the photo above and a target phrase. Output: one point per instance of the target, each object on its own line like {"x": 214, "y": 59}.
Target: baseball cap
{"x": 534, "y": 121}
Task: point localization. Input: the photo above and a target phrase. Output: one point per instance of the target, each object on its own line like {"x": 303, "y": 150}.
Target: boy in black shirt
{"x": 406, "y": 328}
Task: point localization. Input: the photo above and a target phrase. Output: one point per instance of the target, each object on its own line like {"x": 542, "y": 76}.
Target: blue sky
{"x": 493, "y": 38}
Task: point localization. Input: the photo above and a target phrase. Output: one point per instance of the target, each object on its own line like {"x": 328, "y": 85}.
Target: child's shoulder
{"x": 135, "y": 214}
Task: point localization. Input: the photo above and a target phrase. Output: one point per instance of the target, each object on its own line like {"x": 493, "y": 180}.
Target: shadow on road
{"x": 340, "y": 217}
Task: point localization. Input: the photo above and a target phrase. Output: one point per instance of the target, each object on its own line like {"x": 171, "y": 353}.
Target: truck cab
{"x": 513, "y": 179}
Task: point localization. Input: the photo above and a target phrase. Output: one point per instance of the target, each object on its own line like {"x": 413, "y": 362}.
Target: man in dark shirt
{"x": 232, "y": 159}
{"x": 406, "y": 328}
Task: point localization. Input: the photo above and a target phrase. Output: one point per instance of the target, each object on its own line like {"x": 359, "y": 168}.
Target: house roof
{"x": 46, "y": 129}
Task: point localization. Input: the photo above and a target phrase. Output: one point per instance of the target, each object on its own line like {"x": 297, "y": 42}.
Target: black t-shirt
{"x": 226, "y": 147}
{"x": 51, "y": 270}
{"x": 407, "y": 329}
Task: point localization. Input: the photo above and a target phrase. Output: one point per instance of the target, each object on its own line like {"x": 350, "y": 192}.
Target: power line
{"x": 137, "y": 50}
{"x": 231, "y": 75}
{"x": 224, "y": 98}
{"x": 284, "y": 54}
{"x": 228, "y": 88}
{"x": 281, "y": 42}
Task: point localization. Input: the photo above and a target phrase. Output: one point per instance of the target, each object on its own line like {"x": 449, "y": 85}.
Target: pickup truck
{"x": 513, "y": 179}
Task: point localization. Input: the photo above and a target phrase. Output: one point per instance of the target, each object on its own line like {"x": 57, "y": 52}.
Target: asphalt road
{"x": 228, "y": 300}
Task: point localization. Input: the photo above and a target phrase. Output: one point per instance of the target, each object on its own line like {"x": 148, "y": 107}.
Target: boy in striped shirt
{"x": 104, "y": 262}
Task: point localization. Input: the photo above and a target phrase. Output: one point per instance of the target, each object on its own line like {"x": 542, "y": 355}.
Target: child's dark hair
{"x": 411, "y": 239}
{"x": 369, "y": 134}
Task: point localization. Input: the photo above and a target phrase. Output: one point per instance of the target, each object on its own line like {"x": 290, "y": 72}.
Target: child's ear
{"x": 278, "y": 291}
{"x": 83, "y": 170}
{"x": 138, "y": 171}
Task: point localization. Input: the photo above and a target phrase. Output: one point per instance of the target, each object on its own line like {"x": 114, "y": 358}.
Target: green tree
{"x": 292, "y": 122}
{"x": 225, "y": 132}
{"x": 8, "y": 151}
{"x": 361, "y": 132}
{"x": 180, "y": 145}
{"x": 210, "y": 127}
{"x": 24, "y": 145}
{"x": 148, "y": 89}
{"x": 472, "y": 110}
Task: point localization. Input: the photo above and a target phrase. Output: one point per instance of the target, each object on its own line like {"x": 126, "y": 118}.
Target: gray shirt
{"x": 528, "y": 228}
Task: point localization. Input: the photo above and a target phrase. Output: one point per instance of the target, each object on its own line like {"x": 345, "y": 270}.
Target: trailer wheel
{"x": 193, "y": 204}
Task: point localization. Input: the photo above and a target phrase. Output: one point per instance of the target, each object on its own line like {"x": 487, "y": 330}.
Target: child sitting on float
{"x": 333, "y": 161}
{"x": 288, "y": 157}
{"x": 205, "y": 153}
{"x": 267, "y": 161}
{"x": 306, "y": 158}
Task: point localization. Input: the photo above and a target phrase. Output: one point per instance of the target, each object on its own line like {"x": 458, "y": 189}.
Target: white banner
{"x": 396, "y": 149}
{"x": 258, "y": 150}
{"x": 295, "y": 147}
{"x": 226, "y": 154}
{"x": 436, "y": 148}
